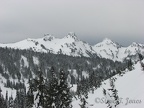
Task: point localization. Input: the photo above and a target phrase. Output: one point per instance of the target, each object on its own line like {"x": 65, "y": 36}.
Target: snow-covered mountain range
{"x": 72, "y": 46}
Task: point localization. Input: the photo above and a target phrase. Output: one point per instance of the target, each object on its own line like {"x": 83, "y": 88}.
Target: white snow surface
{"x": 36, "y": 60}
{"x": 26, "y": 64}
{"x": 130, "y": 87}
{"x": 72, "y": 46}
{"x": 85, "y": 74}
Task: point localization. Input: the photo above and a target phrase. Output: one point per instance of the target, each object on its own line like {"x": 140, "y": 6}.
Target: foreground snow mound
{"x": 130, "y": 89}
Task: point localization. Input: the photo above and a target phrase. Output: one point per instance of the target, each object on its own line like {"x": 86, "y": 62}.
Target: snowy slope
{"x": 130, "y": 91}
{"x": 72, "y": 46}
{"x": 107, "y": 49}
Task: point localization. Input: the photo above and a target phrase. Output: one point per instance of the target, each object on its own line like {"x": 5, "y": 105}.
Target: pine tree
{"x": 64, "y": 91}
{"x": 112, "y": 95}
{"x": 114, "y": 92}
{"x": 36, "y": 94}
{"x": 92, "y": 82}
{"x": 79, "y": 88}
{"x": 41, "y": 88}
{"x": 85, "y": 87}
{"x": 140, "y": 56}
{"x": 11, "y": 102}
{"x": 83, "y": 102}
{"x": 54, "y": 93}
{"x": 7, "y": 104}
{"x": 52, "y": 97}
{"x": 142, "y": 65}
{"x": 30, "y": 95}
{"x": 2, "y": 101}
{"x": 18, "y": 101}
{"x": 130, "y": 65}
{"x": 23, "y": 97}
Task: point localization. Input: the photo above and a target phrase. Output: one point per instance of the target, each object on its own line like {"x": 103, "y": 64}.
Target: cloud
{"x": 90, "y": 19}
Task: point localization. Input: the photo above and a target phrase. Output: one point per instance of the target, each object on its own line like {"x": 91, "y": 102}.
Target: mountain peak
{"x": 48, "y": 37}
{"x": 72, "y": 35}
{"x": 107, "y": 40}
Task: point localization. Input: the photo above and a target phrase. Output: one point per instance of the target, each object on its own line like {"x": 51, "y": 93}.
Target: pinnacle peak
{"x": 72, "y": 35}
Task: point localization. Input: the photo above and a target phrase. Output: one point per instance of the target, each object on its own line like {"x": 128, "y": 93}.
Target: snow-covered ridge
{"x": 114, "y": 51}
{"x": 72, "y": 46}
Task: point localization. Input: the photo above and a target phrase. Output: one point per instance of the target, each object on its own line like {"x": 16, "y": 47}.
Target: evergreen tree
{"x": 23, "y": 97}
{"x": 142, "y": 65}
{"x": 140, "y": 56}
{"x": 85, "y": 87}
{"x": 64, "y": 91}
{"x": 11, "y": 102}
{"x": 2, "y": 100}
{"x": 41, "y": 88}
{"x": 55, "y": 94}
{"x": 83, "y": 102}
{"x": 20, "y": 100}
{"x": 36, "y": 95}
{"x": 53, "y": 91}
{"x": 112, "y": 95}
{"x": 92, "y": 80}
{"x": 79, "y": 88}
{"x": 17, "y": 101}
{"x": 7, "y": 104}
{"x": 30, "y": 95}
{"x": 130, "y": 64}
{"x": 114, "y": 92}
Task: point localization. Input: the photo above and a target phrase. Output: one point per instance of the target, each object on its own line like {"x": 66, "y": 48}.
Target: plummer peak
{"x": 48, "y": 37}
{"x": 107, "y": 40}
{"x": 72, "y": 35}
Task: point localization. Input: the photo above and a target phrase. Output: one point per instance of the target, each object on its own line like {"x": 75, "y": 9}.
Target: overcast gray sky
{"x": 92, "y": 20}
